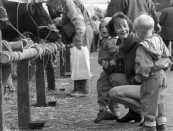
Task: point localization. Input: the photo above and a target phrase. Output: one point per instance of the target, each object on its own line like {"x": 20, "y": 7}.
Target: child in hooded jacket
{"x": 108, "y": 48}
{"x": 106, "y": 58}
{"x": 152, "y": 57}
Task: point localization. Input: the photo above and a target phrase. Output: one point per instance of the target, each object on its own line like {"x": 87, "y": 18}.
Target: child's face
{"x": 103, "y": 29}
{"x": 121, "y": 28}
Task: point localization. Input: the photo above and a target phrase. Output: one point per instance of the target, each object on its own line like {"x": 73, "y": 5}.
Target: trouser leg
{"x": 152, "y": 97}
{"x": 103, "y": 87}
{"x": 161, "y": 119}
{"x": 82, "y": 86}
{"x": 128, "y": 95}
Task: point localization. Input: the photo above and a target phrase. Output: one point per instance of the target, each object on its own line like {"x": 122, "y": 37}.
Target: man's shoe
{"x": 161, "y": 127}
{"x": 73, "y": 91}
{"x": 110, "y": 116}
{"x": 131, "y": 115}
{"x": 142, "y": 123}
{"x": 101, "y": 115}
{"x": 147, "y": 128}
{"x": 78, "y": 94}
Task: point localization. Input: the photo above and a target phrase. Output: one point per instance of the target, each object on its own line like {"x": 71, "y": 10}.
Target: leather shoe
{"x": 142, "y": 123}
{"x": 161, "y": 127}
{"x": 147, "y": 128}
{"x": 100, "y": 116}
{"x": 110, "y": 116}
{"x": 131, "y": 115}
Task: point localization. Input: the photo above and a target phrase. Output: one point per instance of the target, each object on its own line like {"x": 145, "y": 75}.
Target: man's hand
{"x": 58, "y": 21}
{"x": 157, "y": 28}
{"x": 78, "y": 45}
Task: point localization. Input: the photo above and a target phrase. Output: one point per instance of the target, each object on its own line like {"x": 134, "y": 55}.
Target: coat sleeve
{"x": 112, "y": 47}
{"x": 162, "y": 17}
{"x": 143, "y": 65}
{"x": 125, "y": 4}
{"x": 76, "y": 17}
{"x": 152, "y": 12}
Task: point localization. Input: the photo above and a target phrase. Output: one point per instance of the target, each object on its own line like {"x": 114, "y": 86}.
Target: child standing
{"x": 149, "y": 70}
{"x": 107, "y": 51}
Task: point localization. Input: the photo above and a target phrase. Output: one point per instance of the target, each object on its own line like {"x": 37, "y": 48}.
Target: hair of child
{"x": 144, "y": 22}
{"x": 106, "y": 20}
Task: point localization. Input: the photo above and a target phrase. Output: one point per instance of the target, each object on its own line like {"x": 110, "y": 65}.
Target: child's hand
{"x": 112, "y": 63}
{"x": 105, "y": 64}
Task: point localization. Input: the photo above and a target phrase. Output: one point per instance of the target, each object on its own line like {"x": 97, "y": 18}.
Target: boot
{"x": 147, "y": 128}
{"x": 100, "y": 116}
{"x": 161, "y": 127}
{"x": 131, "y": 115}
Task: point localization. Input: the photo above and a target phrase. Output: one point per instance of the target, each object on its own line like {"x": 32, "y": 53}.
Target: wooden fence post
{"x": 40, "y": 83}
{"x": 62, "y": 63}
{"x": 50, "y": 73}
{"x": 1, "y": 93}
{"x": 23, "y": 94}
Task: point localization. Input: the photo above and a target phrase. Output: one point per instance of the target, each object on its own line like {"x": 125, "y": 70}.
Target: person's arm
{"x": 76, "y": 17}
{"x": 153, "y": 13}
{"x": 125, "y": 4}
{"x": 143, "y": 65}
{"x": 113, "y": 50}
{"x": 162, "y": 17}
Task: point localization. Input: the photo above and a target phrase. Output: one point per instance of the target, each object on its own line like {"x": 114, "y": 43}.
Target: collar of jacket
{"x": 132, "y": 38}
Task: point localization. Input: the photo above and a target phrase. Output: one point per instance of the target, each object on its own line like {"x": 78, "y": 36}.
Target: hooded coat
{"x": 151, "y": 55}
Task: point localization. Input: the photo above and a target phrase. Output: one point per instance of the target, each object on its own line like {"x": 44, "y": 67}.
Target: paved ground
{"x": 77, "y": 114}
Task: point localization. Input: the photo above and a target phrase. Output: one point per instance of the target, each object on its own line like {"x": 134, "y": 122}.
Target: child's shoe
{"x": 161, "y": 127}
{"x": 147, "y": 128}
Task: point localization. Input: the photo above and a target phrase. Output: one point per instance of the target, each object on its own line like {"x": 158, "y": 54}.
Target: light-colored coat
{"x": 151, "y": 55}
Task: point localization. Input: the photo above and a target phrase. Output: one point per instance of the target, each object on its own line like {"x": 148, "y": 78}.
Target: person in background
{"x": 107, "y": 52}
{"x": 166, "y": 21}
{"x": 134, "y": 8}
{"x": 76, "y": 30}
{"x": 114, "y": 6}
{"x": 149, "y": 70}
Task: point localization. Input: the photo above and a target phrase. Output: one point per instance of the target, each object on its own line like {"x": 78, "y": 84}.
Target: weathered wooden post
{"x": 1, "y": 93}
{"x": 40, "y": 83}
{"x": 50, "y": 73}
{"x": 3, "y": 20}
{"x": 23, "y": 94}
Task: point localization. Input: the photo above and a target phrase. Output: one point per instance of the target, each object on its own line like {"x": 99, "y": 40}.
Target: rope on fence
{"x": 33, "y": 50}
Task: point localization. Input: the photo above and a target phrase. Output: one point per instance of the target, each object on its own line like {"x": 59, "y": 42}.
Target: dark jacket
{"x": 133, "y": 8}
{"x": 166, "y": 21}
{"x": 107, "y": 50}
{"x": 127, "y": 54}
{"x": 114, "y": 6}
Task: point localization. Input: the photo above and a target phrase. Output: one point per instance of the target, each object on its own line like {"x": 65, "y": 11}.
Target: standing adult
{"x": 114, "y": 6}
{"x": 166, "y": 22}
{"x": 76, "y": 29}
{"x": 133, "y": 8}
